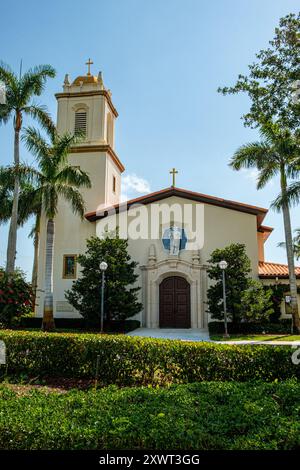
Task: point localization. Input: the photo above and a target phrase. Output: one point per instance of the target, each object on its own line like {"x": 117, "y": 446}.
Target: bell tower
{"x": 86, "y": 106}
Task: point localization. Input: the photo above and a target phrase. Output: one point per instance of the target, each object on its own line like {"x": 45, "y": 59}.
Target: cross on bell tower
{"x": 89, "y": 63}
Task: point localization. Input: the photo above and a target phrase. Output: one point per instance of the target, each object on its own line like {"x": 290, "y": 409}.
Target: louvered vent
{"x": 80, "y": 122}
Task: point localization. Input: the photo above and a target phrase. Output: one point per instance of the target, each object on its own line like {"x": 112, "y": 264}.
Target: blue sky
{"x": 163, "y": 61}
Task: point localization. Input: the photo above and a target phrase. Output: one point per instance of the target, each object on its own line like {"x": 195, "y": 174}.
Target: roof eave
{"x": 168, "y": 192}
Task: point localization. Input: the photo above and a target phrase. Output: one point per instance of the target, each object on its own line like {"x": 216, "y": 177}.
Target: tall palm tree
{"x": 277, "y": 154}
{"x": 54, "y": 179}
{"x": 19, "y": 92}
{"x": 30, "y": 206}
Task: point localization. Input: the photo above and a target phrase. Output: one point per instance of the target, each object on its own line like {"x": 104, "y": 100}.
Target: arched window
{"x": 80, "y": 122}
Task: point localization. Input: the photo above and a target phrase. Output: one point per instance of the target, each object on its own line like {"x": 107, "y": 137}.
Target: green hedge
{"x": 80, "y": 323}
{"x": 201, "y": 416}
{"x": 132, "y": 360}
{"x": 282, "y": 327}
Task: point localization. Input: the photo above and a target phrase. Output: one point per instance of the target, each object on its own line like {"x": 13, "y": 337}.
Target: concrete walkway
{"x": 191, "y": 334}
{"x": 194, "y": 334}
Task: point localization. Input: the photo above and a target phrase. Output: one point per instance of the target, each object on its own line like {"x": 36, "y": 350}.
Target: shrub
{"x": 278, "y": 292}
{"x": 281, "y": 327}
{"x": 246, "y": 299}
{"x": 127, "y": 360}
{"x": 16, "y": 297}
{"x": 256, "y": 303}
{"x": 200, "y": 416}
{"x": 120, "y": 301}
{"x": 79, "y": 324}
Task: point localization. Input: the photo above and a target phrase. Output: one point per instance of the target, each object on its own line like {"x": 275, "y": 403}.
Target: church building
{"x": 171, "y": 233}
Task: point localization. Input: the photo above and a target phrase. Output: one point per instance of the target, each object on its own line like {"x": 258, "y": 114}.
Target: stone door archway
{"x": 174, "y": 303}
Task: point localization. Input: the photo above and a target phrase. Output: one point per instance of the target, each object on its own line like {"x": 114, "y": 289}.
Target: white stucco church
{"x": 171, "y": 232}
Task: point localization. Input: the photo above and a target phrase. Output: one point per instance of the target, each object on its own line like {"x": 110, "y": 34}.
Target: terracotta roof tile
{"x": 270, "y": 270}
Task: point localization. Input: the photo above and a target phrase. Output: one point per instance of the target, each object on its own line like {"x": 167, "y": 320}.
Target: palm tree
{"x": 276, "y": 154}
{"x": 296, "y": 244}
{"x": 19, "y": 92}
{"x": 30, "y": 206}
{"x": 54, "y": 179}
{"x": 27, "y": 207}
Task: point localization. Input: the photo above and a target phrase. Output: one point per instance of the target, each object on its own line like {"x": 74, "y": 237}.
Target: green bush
{"x": 121, "y": 291}
{"x": 281, "y": 327}
{"x": 246, "y": 298}
{"x": 127, "y": 360}
{"x": 80, "y": 324}
{"x": 201, "y": 416}
{"x": 16, "y": 297}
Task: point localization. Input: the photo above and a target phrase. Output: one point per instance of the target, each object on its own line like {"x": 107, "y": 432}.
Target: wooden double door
{"x": 174, "y": 303}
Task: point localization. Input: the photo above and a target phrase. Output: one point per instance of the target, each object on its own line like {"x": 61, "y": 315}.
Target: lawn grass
{"x": 202, "y": 416}
{"x": 265, "y": 338}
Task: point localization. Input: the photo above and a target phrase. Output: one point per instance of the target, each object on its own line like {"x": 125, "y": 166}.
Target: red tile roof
{"x": 271, "y": 270}
{"x": 179, "y": 192}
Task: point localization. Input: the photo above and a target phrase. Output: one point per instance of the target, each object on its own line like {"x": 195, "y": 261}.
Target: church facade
{"x": 171, "y": 233}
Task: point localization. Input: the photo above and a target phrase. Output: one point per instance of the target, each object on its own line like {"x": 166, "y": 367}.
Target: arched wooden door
{"x": 174, "y": 303}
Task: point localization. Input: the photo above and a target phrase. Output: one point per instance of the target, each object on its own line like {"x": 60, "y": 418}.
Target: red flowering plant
{"x": 16, "y": 297}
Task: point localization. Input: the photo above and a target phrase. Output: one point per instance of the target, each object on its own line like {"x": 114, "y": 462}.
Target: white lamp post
{"x": 223, "y": 265}
{"x": 288, "y": 300}
{"x": 103, "y": 268}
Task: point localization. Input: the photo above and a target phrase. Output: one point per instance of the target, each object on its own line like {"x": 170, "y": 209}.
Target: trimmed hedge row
{"x": 201, "y": 416}
{"x": 127, "y": 360}
{"x": 80, "y": 323}
{"x": 283, "y": 327}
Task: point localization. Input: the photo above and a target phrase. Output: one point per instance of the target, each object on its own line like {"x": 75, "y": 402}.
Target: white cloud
{"x": 251, "y": 174}
{"x": 133, "y": 186}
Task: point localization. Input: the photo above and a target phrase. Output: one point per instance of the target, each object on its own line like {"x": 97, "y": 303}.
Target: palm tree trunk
{"x": 13, "y": 227}
{"x": 290, "y": 253}
{"x": 48, "y": 319}
{"x": 36, "y": 242}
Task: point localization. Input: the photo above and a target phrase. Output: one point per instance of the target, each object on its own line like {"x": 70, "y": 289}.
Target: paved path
{"x": 191, "y": 334}
{"x": 194, "y": 334}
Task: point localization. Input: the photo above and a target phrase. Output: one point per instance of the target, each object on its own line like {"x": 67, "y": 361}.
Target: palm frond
{"x": 293, "y": 168}
{"x": 63, "y": 143}
{"x": 40, "y": 113}
{"x": 27, "y": 176}
{"x": 266, "y": 174}
{"x": 34, "y": 80}
{"x": 7, "y": 177}
{"x": 281, "y": 245}
{"x": 36, "y": 143}
{"x": 49, "y": 199}
{"x": 251, "y": 155}
{"x": 5, "y": 113}
{"x": 8, "y": 77}
{"x": 30, "y": 203}
{"x": 74, "y": 176}
{"x": 6, "y": 204}
{"x": 73, "y": 196}
{"x": 291, "y": 197}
